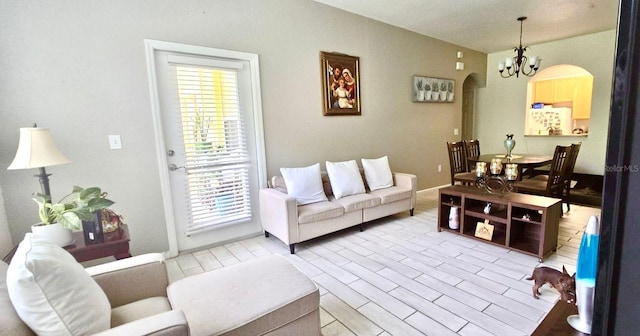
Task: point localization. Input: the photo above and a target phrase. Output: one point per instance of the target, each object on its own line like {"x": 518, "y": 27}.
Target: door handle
{"x": 173, "y": 167}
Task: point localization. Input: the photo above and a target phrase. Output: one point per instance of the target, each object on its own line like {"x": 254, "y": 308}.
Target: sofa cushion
{"x": 392, "y": 194}
{"x": 345, "y": 178}
{"x": 254, "y": 297}
{"x": 138, "y": 310}
{"x": 52, "y": 293}
{"x": 10, "y": 322}
{"x": 357, "y": 202}
{"x": 319, "y": 211}
{"x": 305, "y": 184}
{"x": 378, "y": 173}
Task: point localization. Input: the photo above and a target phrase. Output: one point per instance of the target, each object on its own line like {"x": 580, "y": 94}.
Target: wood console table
{"x": 525, "y": 223}
{"x": 115, "y": 244}
{"x": 555, "y": 323}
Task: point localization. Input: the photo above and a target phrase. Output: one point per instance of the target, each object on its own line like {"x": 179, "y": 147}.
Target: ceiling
{"x": 489, "y": 25}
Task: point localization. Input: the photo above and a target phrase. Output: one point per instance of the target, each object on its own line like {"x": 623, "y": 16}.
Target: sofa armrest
{"x": 279, "y": 215}
{"x": 132, "y": 279}
{"x": 171, "y": 323}
{"x": 408, "y": 181}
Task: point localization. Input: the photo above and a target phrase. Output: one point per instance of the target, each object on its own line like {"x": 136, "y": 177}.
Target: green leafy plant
{"x": 201, "y": 126}
{"x": 435, "y": 87}
{"x": 419, "y": 84}
{"x": 427, "y": 87}
{"x": 443, "y": 86}
{"x": 81, "y": 204}
{"x": 450, "y": 86}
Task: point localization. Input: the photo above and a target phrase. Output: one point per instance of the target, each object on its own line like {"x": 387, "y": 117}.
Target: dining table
{"x": 526, "y": 162}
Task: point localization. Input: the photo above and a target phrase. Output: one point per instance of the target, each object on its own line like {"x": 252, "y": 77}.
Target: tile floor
{"x": 401, "y": 277}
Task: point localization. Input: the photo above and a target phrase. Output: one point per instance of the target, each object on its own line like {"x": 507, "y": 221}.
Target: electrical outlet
{"x": 439, "y": 168}
{"x": 455, "y": 131}
{"x": 114, "y": 142}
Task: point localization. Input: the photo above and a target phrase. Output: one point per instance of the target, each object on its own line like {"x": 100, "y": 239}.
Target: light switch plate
{"x": 455, "y": 131}
{"x": 114, "y": 142}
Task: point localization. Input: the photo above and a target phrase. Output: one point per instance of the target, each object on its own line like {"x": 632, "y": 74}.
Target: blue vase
{"x": 509, "y": 143}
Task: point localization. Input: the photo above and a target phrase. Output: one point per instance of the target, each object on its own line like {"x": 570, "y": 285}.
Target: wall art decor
{"x": 340, "y": 84}
{"x": 433, "y": 90}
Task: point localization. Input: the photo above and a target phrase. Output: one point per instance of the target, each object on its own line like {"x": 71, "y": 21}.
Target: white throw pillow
{"x": 345, "y": 178}
{"x": 305, "y": 184}
{"x": 377, "y": 173}
{"x": 52, "y": 293}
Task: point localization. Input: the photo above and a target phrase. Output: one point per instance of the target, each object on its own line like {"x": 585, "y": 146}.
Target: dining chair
{"x": 458, "y": 164}
{"x": 554, "y": 184}
{"x": 473, "y": 149}
{"x": 571, "y": 164}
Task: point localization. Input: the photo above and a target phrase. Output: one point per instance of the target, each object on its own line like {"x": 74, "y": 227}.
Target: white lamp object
{"x": 36, "y": 149}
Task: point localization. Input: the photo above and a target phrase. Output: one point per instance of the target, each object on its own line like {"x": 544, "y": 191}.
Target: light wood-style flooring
{"x": 401, "y": 277}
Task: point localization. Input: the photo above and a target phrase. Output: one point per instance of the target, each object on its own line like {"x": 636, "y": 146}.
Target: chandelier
{"x": 514, "y": 65}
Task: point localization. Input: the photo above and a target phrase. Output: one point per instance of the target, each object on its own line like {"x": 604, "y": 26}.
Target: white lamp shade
{"x": 36, "y": 149}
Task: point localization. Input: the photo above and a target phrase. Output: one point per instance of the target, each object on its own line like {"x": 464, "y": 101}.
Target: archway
{"x": 469, "y": 87}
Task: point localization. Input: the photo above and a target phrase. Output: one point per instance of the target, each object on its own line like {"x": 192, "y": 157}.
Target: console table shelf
{"x": 525, "y": 223}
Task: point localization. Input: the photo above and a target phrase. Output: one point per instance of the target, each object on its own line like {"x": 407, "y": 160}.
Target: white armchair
{"x": 44, "y": 290}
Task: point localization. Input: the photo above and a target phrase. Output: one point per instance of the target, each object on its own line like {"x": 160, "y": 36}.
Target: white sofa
{"x": 282, "y": 217}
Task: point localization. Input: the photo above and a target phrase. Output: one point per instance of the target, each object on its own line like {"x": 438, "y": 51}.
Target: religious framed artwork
{"x": 433, "y": 90}
{"x": 340, "y": 84}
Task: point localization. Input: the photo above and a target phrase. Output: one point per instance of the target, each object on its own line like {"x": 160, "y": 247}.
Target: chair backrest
{"x": 472, "y": 147}
{"x": 558, "y": 170}
{"x": 575, "y": 149}
{"x": 457, "y": 158}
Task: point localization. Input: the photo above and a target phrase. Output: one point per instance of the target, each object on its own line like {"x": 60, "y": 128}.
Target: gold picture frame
{"x": 340, "y": 84}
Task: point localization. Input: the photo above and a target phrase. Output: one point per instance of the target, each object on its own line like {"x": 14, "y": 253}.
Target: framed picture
{"x": 433, "y": 90}
{"x": 340, "y": 84}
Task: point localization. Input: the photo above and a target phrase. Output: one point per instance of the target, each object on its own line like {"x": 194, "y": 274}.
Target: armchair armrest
{"x": 408, "y": 181}
{"x": 132, "y": 279}
{"x": 279, "y": 215}
{"x": 171, "y": 323}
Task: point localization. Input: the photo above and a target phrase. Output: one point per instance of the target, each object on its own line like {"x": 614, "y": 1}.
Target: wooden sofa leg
{"x": 411, "y": 212}
{"x": 292, "y": 248}
{"x": 266, "y": 234}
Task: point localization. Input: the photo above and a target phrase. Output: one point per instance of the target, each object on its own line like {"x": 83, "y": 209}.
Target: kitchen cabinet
{"x": 582, "y": 98}
{"x": 554, "y": 90}
{"x": 543, "y": 92}
{"x": 576, "y": 90}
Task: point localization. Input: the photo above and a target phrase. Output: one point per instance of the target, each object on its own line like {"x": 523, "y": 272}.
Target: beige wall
{"x": 78, "y": 67}
{"x": 502, "y": 104}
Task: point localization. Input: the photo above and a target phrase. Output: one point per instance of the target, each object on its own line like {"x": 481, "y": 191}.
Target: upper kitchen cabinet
{"x": 582, "y": 98}
{"x": 563, "y": 86}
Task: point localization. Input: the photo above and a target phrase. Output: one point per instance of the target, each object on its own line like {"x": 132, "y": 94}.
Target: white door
{"x": 211, "y": 130}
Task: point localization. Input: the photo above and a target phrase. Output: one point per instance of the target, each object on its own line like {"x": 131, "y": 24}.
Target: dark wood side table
{"x": 555, "y": 323}
{"x": 115, "y": 244}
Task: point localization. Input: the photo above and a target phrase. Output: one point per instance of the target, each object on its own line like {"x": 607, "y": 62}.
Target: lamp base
{"x": 578, "y": 324}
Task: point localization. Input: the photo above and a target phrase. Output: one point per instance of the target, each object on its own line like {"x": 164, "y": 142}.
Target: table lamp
{"x": 36, "y": 149}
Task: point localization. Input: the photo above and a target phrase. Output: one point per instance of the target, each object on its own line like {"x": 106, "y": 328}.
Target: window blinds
{"x": 215, "y": 147}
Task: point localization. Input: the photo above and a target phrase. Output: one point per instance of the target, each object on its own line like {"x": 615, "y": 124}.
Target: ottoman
{"x": 264, "y": 296}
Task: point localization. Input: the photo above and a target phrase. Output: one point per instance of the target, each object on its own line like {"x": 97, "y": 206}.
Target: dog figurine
{"x": 561, "y": 281}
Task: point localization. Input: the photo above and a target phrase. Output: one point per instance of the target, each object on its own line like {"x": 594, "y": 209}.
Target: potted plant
{"x": 427, "y": 91}
{"x": 201, "y": 126}
{"x": 443, "y": 91}
{"x": 450, "y": 89}
{"x": 435, "y": 94}
{"x": 419, "y": 91}
{"x": 59, "y": 219}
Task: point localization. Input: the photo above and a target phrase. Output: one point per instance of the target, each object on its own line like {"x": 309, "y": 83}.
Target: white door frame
{"x": 151, "y": 46}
